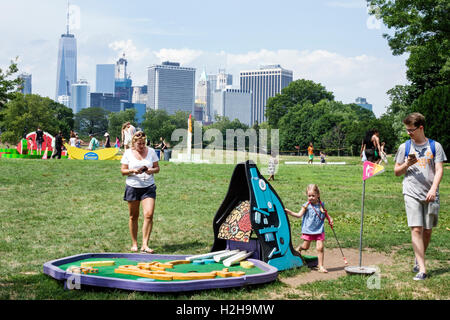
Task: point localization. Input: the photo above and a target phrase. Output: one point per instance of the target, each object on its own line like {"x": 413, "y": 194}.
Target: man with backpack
{"x": 420, "y": 159}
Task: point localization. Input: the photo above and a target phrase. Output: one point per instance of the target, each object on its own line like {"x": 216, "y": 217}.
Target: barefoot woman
{"x": 139, "y": 164}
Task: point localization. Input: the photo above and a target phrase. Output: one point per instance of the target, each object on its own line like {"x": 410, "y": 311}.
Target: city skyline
{"x": 335, "y": 43}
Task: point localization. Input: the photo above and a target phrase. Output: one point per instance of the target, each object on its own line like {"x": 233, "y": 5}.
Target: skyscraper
{"x": 123, "y": 84}
{"x": 362, "y": 102}
{"x": 233, "y": 104}
{"x": 208, "y": 85}
{"x": 66, "y": 74}
{"x": 25, "y": 88}
{"x": 171, "y": 87}
{"x": 80, "y": 96}
{"x": 121, "y": 68}
{"x": 105, "y": 78}
{"x": 201, "y": 101}
{"x": 263, "y": 84}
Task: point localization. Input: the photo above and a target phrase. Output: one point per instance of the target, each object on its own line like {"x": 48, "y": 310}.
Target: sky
{"x": 332, "y": 42}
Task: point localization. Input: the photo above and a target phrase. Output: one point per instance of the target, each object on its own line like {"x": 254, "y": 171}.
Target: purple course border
{"x": 52, "y": 269}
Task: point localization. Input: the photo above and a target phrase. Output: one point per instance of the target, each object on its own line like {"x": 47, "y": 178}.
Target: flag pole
{"x": 369, "y": 170}
{"x": 362, "y": 223}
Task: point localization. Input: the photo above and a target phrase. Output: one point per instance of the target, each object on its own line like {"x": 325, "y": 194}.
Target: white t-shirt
{"x": 142, "y": 180}
{"x": 73, "y": 142}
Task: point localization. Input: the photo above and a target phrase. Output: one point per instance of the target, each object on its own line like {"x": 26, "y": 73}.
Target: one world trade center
{"x": 67, "y": 63}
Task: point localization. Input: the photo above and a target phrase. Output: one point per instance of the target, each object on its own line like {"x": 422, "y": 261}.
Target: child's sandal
{"x": 322, "y": 270}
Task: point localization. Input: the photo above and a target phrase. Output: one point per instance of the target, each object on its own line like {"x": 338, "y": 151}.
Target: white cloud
{"x": 346, "y": 76}
{"x": 183, "y": 56}
{"x": 130, "y": 50}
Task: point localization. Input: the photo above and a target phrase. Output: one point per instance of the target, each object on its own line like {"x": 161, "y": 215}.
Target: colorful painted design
{"x": 371, "y": 169}
{"x": 237, "y": 225}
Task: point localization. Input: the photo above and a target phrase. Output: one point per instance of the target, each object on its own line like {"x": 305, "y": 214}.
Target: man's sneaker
{"x": 415, "y": 269}
{"x": 420, "y": 276}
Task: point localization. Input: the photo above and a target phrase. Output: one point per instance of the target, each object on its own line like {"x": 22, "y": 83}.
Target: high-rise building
{"x": 80, "y": 96}
{"x": 65, "y": 100}
{"x": 233, "y": 104}
{"x": 121, "y": 68}
{"x": 263, "y": 84}
{"x": 223, "y": 80}
{"x": 362, "y": 102}
{"x": 105, "y": 74}
{"x": 25, "y": 88}
{"x": 105, "y": 101}
{"x": 123, "y": 89}
{"x": 66, "y": 74}
{"x": 123, "y": 84}
{"x": 202, "y": 99}
{"x": 171, "y": 87}
{"x": 139, "y": 94}
{"x": 139, "y": 107}
{"x": 207, "y": 86}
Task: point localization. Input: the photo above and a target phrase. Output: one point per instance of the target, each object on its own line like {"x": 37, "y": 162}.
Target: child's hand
{"x": 330, "y": 221}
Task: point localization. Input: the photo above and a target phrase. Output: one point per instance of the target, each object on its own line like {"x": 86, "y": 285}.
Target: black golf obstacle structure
{"x": 270, "y": 234}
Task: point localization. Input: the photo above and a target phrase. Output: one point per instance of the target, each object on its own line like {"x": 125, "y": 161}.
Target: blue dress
{"x": 313, "y": 219}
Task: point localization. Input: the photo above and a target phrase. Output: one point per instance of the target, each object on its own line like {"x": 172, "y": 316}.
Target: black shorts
{"x": 133, "y": 194}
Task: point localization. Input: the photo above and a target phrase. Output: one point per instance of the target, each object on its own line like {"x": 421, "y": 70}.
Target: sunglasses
{"x": 139, "y": 134}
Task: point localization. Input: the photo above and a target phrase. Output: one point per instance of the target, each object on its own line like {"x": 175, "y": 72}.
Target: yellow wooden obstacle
{"x": 97, "y": 264}
{"x": 152, "y": 270}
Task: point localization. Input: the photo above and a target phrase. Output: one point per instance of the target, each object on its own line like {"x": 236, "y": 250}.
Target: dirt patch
{"x": 334, "y": 263}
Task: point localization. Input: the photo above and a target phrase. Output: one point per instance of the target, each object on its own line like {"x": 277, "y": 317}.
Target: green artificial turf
{"x": 108, "y": 271}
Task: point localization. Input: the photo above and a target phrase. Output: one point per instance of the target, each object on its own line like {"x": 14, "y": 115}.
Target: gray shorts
{"x": 421, "y": 213}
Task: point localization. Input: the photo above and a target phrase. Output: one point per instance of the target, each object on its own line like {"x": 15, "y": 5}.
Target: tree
{"x": 158, "y": 123}
{"x": 223, "y": 124}
{"x": 8, "y": 86}
{"x": 421, "y": 28}
{"x": 117, "y": 119}
{"x": 330, "y": 125}
{"x": 24, "y": 113}
{"x": 296, "y": 93}
{"x": 434, "y": 105}
{"x": 91, "y": 120}
{"x": 334, "y": 139}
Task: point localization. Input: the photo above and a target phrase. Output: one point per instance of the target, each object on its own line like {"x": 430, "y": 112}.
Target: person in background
{"x": 107, "y": 141}
{"x": 93, "y": 144}
{"x": 322, "y": 157}
{"x": 310, "y": 153}
{"x": 58, "y": 146}
{"x": 39, "y": 140}
{"x": 371, "y": 145}
{"x": 73, "y": 139}
{"x": 162, "y": 146}
{"x": 78, "y": 141}
{"x": 271, "y": 169}
{"x": 30, "y": 145}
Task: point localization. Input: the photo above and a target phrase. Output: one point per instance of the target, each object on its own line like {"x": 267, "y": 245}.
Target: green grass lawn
{"x": 57, "y": 208}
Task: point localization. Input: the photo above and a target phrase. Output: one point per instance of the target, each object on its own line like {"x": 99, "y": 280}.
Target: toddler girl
{"x": 314, "y": 215}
